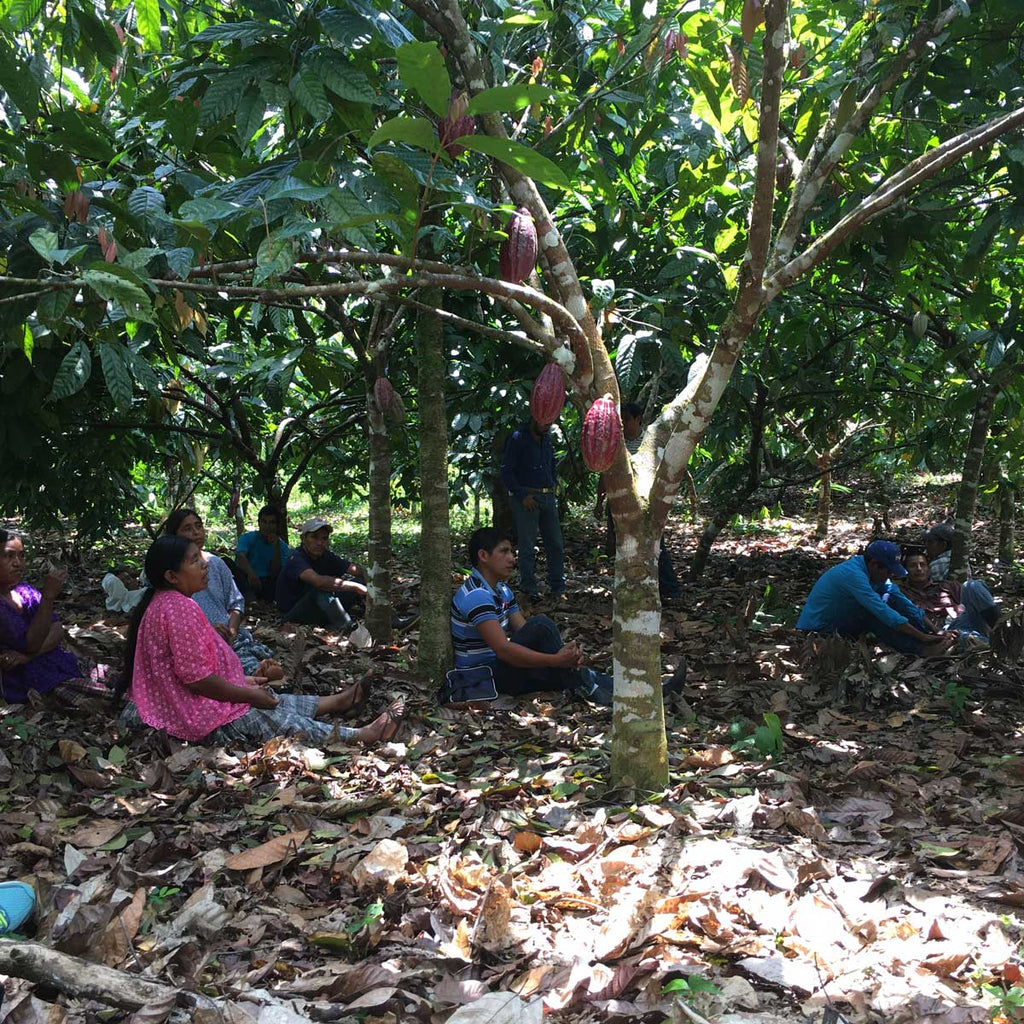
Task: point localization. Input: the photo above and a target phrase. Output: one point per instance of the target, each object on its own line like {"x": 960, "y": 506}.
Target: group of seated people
{"x": 194, "y": 669}
{"x": 924, "y": 613}
{"x": 191, "y": 667}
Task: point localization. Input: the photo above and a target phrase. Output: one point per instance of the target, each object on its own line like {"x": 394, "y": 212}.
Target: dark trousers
{"x": 538, "y": 633}
{"x": 322, "y": 608}
{"x": 668, "y": 583}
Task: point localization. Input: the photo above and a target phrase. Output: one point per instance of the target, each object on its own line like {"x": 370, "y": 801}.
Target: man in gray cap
{"x": 938, "y": 546}
{"x": 315, "y": 583}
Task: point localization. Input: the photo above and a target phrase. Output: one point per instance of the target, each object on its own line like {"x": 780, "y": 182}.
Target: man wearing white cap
{"x": 315, "y": 582}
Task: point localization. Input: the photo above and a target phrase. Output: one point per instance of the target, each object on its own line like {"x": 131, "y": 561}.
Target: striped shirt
{"x": 475, "y": 602}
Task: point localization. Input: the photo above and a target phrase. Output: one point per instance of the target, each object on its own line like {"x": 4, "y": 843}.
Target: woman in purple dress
{"x": 31, "y": 655}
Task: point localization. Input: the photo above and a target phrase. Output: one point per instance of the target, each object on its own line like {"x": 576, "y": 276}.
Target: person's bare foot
{"x": 384, "y": 727}
{"x": 347, "y": 700}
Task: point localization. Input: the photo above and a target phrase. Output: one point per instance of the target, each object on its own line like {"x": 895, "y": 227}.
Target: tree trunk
{"x": 639, "y": 747}
{"x": 501, "y": 507}
{"x": 378, "y": 569}
{"x": 1007, "y": 539}
{"x": 974, "y": 460}
{"x": 824, "y": 497}
{"x": 435, "y": 645}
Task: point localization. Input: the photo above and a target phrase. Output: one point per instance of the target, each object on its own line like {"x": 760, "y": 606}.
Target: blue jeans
{"x": 545, "y": 519}
{"x": 980, "y": 609}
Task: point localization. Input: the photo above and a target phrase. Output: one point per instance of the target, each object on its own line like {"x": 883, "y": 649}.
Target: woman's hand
{"x": 53, "y": 583}
{"x": 13, "y": 659}
{"x": 261, "y": 697}
{"x": 227, "y": 631}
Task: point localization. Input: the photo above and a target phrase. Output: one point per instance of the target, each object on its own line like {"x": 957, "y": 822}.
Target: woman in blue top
{"x": 222, "y": 602}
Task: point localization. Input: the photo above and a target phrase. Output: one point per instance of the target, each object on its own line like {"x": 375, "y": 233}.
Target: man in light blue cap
{"x": 17, "y": 901}
{"x": 858, "y": 597}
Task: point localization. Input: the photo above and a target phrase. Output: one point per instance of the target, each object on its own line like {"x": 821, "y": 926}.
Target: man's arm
{"x": 519, "y": 656}
{"x": 861, "y": 591}
{"x": 899, "y": 602}
{"x": 516, "y": 621}
{"x": 242, "y": 558}
{"x": 331, "y": 584}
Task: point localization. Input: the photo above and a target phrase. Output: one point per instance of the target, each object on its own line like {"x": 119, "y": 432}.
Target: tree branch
{"x": 893, "y": 188}
{"x": 834, "y": 140}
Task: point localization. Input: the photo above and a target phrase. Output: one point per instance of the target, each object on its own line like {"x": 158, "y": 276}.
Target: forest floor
{"x": 866, "y": 861}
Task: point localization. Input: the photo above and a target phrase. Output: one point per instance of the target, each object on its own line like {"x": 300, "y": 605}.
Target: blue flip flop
{"x": 17, "y": 901}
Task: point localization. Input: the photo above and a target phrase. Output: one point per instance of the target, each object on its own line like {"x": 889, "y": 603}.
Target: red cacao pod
{"x": 389, "y": 401}
{"x": 548, "y": 395}
{"x": 519, "y": 251}
{"x": 602, "y": 432}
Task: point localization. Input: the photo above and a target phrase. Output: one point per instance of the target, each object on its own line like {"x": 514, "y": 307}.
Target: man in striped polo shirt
{"x": 526, "y": 655}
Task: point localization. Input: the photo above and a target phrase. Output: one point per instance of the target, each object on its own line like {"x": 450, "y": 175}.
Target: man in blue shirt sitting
{"x": 259, "y": 557}
{"x": 526, "y": 655}
{"x": 528, "y": 472}
{"x": 856, "y": 597}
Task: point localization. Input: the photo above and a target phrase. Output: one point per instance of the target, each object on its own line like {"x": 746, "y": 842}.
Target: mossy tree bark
{"x": 1007, "y": 508}
{"x": 378, "y": 570}
{"x": 974, "y": 461}
{"x": 434, "y": 655}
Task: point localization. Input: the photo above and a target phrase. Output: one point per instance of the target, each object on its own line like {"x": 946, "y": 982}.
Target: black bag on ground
{"x": 468, "y": 686}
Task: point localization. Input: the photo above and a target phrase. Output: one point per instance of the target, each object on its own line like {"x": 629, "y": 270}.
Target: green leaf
{"x": 522, "y": 158}
{"x": 115, "y": 372}
{"x": 115, "y": 284}
{"x": 307, "y": 88}
{"x": 421, "y": 67}
{"x": 209, "y": 210}
{"x": 45, "y": 242}
{"x": 416, "y": 131}
{"x": 145, "y": 201}
{"x": 505, "y": 98}
{"x": 249, "y": 117}
{"x": 74, "y": 370}
{"x": 346, "y": 27}
{"x": 274, "y": 257}
{"x": 238, "y": 31}
{"x": 847, "y": 105}
{"x": 345, "y": 81}
{"x": 180, "y": 260}
{"x": 147, "y": 19}
{"x": 28, "y": 342}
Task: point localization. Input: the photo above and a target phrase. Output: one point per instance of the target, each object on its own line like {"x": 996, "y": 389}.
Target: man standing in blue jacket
{"x": 857, "y": 597}
{"x": 528, "y": 473}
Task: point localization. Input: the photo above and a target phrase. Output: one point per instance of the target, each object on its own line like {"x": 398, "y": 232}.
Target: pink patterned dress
{"x": 176, "y": 648}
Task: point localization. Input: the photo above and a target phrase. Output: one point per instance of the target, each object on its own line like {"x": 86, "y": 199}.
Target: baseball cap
{"x": 941, "y": 531}
{"x": 888, "y": 554}
{"x": 312, "y": 525}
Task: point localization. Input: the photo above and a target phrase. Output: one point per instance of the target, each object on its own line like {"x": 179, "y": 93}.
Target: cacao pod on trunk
{"x": 519, "y": 251}
{"x": 548, "y": 395}
{"x": 602, "y": 432}
{"x": 389, "y": 401}
{"x": 455, "y": 125}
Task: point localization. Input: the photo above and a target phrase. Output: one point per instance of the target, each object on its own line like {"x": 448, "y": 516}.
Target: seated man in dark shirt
{"x": 315, "y": 584}
{"x": 967, "y": 609}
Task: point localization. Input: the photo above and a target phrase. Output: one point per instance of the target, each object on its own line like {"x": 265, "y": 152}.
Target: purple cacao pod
{"x": 548, "y": 395}
{"x": 602, "y": 432}
{"x": 518, "y": 256}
